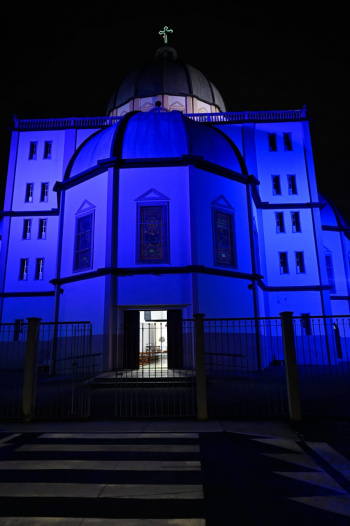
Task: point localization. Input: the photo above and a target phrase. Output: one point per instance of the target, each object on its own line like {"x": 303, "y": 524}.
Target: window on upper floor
{"x": 295, "y": 217}
{"x": 47, "y": 149}
{"x": 42, "y": 228}
{"x": 33, "y": 146}
{"x": 287, "y": 142}
{"x": 44, "y": 193}
{"x": 83, "y": 242}
{"x": 27, "y": 228}
{"x": 283, "y": 261}
{"x": 39, "y": 268}
{"x": 272, "y": 141}
{"x": 153, "y": 233}
{"x": 330, "y": 269}
{"x": 292, "y": 185}
{"x": 23, "y": 269}
{"x": 279, "y": 218}
{"x": 300, "y": 263}
{"x": 276, "y": 185}
{"x": 29, "y": 192}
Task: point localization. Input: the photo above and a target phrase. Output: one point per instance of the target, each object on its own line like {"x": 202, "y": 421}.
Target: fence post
{"x": 291, "y": 365}
{"x": 202, "y": 411}
{"x": 30, "y": 369}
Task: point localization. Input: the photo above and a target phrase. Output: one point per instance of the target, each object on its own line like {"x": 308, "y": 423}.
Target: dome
{"x": 166, "y": 76}
{"x": 330, "y": 215}
{"x": 156, "y": 135}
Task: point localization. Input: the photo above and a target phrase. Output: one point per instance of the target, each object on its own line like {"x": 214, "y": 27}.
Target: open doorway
{"x": 153, "y": 351}
{"x": 152, "y": 339}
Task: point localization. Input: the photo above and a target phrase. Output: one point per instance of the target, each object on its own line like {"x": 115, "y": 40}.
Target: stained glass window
{"x": 224, "y": 249}
{"x": 153, "y": 234}
{"x": 83, "y": 242}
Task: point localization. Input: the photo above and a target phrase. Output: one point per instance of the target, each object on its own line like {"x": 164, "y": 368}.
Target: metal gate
{"x": 161, "y": 382}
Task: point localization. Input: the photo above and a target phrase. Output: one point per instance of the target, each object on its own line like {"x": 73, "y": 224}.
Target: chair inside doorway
{"x": 153, "y": 339}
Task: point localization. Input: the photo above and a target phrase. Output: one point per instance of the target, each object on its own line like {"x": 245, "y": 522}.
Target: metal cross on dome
{"x": 164, "y": 33}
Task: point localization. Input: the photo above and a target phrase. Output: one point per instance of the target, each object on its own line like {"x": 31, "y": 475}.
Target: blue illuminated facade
{"x": 169, "y": 202}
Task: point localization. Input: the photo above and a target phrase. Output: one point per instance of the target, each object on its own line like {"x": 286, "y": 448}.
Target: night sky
{"x": 67, "y": 63}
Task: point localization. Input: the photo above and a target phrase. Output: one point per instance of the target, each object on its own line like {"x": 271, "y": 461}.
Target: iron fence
{"x": 64, "y": 365}
{"x": 13, "y": 337}
{"x": 245, "y": 369}
{"x": 323, "y": 355}
{"x": 244, "y": 366}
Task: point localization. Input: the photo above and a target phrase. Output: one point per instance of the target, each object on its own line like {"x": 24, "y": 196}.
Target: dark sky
{"x": 66, "y": 61}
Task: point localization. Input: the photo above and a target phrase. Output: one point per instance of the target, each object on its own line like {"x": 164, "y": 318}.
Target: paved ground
{"x": 175, "y": 473}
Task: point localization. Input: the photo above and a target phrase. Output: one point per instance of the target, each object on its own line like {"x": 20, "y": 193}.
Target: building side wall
{"x": 281, "y": 162}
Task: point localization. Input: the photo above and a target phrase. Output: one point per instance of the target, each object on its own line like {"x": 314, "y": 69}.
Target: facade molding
{"x": 159, "y": 270}
{"x": 34, "y": 213}
{"x": 26, "y": 294}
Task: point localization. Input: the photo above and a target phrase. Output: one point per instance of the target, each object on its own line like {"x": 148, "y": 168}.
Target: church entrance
{"x": 153, "y": 340}
{"x": 153, "y": 349}
{"x": 157, "y": 375}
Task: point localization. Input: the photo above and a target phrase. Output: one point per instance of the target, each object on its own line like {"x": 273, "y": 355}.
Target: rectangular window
{"x": 18, "y": 329}
{"x": 299, "y": 261}
{"x": 27, "y": 227}
{"x": 283, "y": 262}
{"x": 276, "y": 185}
{"x": 287, "y": 142}
{"x": 272, "y": 142}
{"x": 44, "y": 194}
{"x": 29, "y": 192}
{"x": 47, "y": 149}
{"x": 83, "y": 242}
{"x": 279, "y": 222}
{"x": 306, "y": 324}
{"x": 330, "y": 272}
{"x": 224, "y": 239}
{"x": 42, "y": 228}
{"x": 153, "y": 235}
{"x": 292, "y": 185}
{"x": 33, "y": 150}
{"x": 295, "y": 222}
{"x": 23, "y": 270}
{"x": 39, "y": 268}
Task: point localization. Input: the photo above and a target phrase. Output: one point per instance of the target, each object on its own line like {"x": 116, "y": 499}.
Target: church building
{"x": 167, "y": 206}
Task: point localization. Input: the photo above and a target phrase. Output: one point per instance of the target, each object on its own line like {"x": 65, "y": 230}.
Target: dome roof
{"x": 156, "y": 135}
{"x": 330, "y": 215}
{"x": 166, "y": 75}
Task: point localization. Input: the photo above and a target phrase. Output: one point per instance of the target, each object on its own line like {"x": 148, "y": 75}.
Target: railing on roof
{"x": 250, "y": 116}
{"x": 224, "y": 118}
{"x": 69, "y": 122}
